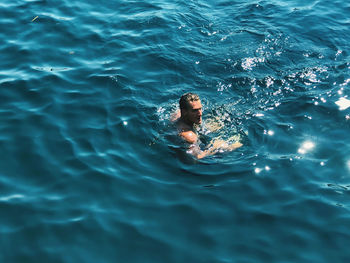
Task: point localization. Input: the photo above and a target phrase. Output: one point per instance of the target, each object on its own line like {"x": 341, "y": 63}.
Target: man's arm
{"x": 218, "y": 145}
{"x": 192, "y": 138}
{"x": 213, "y": 148}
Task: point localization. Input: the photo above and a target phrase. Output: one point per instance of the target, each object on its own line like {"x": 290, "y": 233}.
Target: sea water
{"x": 90, "y": 170}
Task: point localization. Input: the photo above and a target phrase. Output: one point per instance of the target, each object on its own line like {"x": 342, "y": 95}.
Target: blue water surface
{"x": 91, "y": 171}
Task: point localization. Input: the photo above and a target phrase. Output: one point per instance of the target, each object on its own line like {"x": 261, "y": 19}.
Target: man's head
{"x": 191, "y": 108}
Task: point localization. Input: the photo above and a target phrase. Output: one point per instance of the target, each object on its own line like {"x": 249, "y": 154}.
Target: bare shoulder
{"x": 175, "y": 116}
{"x": 186, "y": 132}
{"x": 189, "y": 136}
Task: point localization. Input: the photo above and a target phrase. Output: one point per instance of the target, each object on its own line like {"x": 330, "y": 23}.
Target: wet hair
{"x": 186, "y": 99}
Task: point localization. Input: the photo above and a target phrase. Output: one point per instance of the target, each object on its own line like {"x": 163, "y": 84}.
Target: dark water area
{"x": 90, "y": 171}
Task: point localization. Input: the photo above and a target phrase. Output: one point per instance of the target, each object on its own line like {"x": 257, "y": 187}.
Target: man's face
{"x": 194, "y": 112}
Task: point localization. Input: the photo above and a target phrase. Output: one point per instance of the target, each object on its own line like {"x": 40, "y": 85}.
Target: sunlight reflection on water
{"x": 348, "y": 164}
{"x": 306, "y": 147}
{"x": 343, "y": 103}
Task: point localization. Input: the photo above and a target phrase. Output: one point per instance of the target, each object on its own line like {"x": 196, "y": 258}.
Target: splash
{"x": 272, "y": 46}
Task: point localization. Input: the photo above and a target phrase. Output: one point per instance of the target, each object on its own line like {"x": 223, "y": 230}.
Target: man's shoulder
{"x": 186, "y": 132}
{"x": 175, "y": 116}
{"x": 189, "y": 136}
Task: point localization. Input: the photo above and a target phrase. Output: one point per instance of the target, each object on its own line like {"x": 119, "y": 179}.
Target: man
{"x": 188, "y": 119}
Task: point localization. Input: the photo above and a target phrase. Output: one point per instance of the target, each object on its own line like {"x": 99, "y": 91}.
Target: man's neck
{"x": 189, "y": 124}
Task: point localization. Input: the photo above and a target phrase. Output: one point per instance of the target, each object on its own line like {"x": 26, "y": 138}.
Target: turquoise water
{"x": 90, "y": 171}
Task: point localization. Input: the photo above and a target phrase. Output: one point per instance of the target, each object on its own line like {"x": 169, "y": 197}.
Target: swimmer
{"x": 188, "y": 118}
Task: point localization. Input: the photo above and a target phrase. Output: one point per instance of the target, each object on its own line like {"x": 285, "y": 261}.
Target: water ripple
{"x": 91, "y": 165}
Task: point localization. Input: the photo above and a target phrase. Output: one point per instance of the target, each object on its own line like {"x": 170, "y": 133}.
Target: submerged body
{"x": 187, "y": 121}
